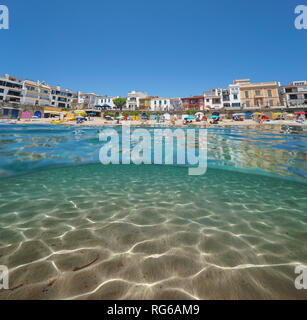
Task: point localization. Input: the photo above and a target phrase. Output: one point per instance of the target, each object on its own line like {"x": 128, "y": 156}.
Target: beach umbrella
{"x": 92, "y": 114}
{"x": 119, "y": 118}
{"x": 278, "y": 113}
{"x": 213, "y": 117}
{"x": 239, "y": 114}
{"x": 80, "y": 112}
{"x": 301, "y": 112}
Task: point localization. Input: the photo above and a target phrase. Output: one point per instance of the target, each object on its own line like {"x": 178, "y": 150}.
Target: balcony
{"x": 11, "y": 85}
{"x": 298, "y": 106}
{"x": 14, "y": 93}
{"x": 32, "y": 96}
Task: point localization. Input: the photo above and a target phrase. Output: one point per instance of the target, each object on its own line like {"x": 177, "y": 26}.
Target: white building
{"x": 213, "y": 99}
{"x": 107, "y": 102}
{"x": 294, "y": 94}
{"x": 36, "y": 93}
{"x": 86, "y": 100}
{"x": 61, "y": 98}
{"x": 10, "y": 89}
{"x": 166, "y": 104}
{"x": 234, "y": 95}
{"x": 223, "y": 98}
{"x": 133, "y": 99}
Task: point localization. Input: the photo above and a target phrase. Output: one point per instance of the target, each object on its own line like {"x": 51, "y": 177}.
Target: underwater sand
{"x": 151, "y": 232}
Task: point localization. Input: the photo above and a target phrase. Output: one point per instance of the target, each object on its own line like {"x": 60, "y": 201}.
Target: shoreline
{"x": 178, "y": 124}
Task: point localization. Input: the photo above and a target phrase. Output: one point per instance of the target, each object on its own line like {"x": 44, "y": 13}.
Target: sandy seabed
{"x": 151, "y": 232}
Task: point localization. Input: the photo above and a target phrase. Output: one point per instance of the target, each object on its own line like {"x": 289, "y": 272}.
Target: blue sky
{"x": 164, "y": 47}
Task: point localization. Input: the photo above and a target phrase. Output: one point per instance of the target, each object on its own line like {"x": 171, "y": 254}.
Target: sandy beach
{"x": 178, "y": 123}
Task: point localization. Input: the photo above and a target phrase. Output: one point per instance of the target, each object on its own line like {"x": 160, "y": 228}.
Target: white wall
{"x": 160, "y": 104}
{"x": 136, "y": 95}
{"x": 234, "y": 90}
{"x": 107, "y": 100}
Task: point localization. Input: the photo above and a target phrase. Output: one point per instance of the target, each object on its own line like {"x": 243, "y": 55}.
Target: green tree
{"x": 119, "y": 102}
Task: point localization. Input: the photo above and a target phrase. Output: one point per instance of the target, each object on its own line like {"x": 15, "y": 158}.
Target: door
{"x": 38, "y": 114}
{"x": 15, "y": 113}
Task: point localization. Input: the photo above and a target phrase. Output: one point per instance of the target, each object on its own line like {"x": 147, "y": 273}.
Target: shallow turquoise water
{"x": 25, "y": 148}
{"x": 73, "y": 228}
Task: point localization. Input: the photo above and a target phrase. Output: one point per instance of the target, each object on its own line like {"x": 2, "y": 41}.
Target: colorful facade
{"x": 145, "y": 103}
{"x": 259, "y": 95}
{"x": 193, "y": 103}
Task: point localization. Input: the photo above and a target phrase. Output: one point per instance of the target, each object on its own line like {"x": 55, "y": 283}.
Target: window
{"x": 271, "y": 103}
{"x": 5, "y": 112}
{"x": 165, "y": 102}
{"x": 14, "y": 93}
{"x": 235, "y": 97}
{"x": 257, "y": 93}
{"x": 246, "y": 94}
{"x": 247, "y": 104}
{"x": 207, "y": 100}
{"x": 270, "y": 93}
{"x": 236, "y": 104}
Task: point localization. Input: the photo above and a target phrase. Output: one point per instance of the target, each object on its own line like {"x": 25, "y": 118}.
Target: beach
{"x": 178, "y": 123}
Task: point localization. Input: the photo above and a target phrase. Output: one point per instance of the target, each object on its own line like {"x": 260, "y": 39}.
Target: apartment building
{"x": 166, "y": 104}
{"x": 234, "y": 95}
{"x": 294, "y": 94}
{"x": 193, "y": 102}
{"x": 10, "y": 89}
{"x": 133, "y": 99}
{"x": 214, "y": 98}
{"x": 259, "y": 95}
{"x": 223, "y": 98}
{"x": 61, "y": 98}
{"x": 36, "y": 93}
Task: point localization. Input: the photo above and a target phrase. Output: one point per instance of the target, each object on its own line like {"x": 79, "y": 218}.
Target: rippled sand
{"x": 151, "y": 232}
